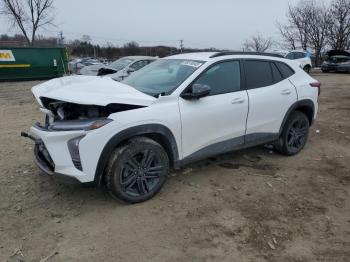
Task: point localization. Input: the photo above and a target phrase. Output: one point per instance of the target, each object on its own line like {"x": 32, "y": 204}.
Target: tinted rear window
{"x": 277, "y": 76}
{"x": 258, "y": 73}
{"x": 285, "y": 70}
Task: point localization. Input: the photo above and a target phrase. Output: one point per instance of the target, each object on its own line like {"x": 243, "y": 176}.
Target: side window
{"x": 139, "y": 64}
{"x": 222, "y": 78}
{"x": 300, "y": 55}
{"x": 285, "y": 70}
{"x": 277, "y": 77}
{"x": 258, "y": 73}
{"x": 290, "y": 56}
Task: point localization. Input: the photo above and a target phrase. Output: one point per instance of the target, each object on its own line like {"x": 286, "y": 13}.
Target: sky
{"x": 223, "y": 24}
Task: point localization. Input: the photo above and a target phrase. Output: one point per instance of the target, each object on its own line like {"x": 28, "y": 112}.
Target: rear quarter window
{"x": 277, "y": 76}
{"x": 285, "y": 70}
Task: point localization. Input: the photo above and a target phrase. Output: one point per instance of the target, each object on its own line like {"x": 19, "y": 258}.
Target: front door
{"x": 216, "y": 123}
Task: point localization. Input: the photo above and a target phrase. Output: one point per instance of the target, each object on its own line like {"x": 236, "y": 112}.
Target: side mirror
{"x": 130, "y": 70}
{"x": 197, "y": 91}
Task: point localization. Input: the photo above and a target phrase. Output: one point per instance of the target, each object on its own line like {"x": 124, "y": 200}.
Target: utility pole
{"x": 60, "y": 38}
{"x": 95, "y": 55}
{"x": 182, "y": 45}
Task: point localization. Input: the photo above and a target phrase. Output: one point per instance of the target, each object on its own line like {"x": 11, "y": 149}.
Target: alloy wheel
{"x": 297, "y": 135}
{"x": 141, "y": 173}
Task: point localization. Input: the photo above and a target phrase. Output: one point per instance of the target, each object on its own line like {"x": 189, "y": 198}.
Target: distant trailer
{"x": 21, "y": 63}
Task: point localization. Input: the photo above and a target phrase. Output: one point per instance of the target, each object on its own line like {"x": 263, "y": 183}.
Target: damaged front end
{"x": 75, "y": 120}
{"x": 65, "y": 145}
{"x": 66, "y": 116}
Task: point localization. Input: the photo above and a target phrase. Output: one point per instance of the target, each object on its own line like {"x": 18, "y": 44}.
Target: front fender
{"x": 168, "y": 141}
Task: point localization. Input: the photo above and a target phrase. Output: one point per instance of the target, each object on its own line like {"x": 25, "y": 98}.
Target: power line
{"x": 170, "y": 41}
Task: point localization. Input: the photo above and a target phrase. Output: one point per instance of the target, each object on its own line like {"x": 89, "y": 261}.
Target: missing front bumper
{"x": 44, "y": 162}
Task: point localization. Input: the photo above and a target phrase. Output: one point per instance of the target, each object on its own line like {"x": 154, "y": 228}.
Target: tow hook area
{"x": 42, "y": 157}
{"x": 24, "y": 134}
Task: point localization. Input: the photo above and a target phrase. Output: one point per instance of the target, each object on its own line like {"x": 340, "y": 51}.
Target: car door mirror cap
{"x": 130, "y": 70}
{"x": 197, "y": 91}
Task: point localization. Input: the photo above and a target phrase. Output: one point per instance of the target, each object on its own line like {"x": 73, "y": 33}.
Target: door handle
{"x": 286, "y": 92}
{"x": 238, "y": 100}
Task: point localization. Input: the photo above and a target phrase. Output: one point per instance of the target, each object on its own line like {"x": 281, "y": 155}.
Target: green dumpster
{"x": 32, "y": 63}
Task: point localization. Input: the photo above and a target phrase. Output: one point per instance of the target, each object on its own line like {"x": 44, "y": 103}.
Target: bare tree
{"x": 289, "y": 36}
{"x": 86, "y": 39}
{"x": 339, "y": 29}
{"x": 258, "y": 43}
{"x": 308, "y": 26}
{"x": 132, "y": 48}
{"x": 317, "y": 19}
{"x": 28, "y": 15}
{"x": 297, "y": 21}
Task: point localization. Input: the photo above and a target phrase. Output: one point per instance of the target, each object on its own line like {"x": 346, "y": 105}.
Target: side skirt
{"x": 230, "y": 145}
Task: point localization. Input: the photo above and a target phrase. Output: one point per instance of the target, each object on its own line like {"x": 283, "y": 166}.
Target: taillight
{"x": 318, "y": 85}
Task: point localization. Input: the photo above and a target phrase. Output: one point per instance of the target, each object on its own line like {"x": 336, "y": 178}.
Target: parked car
{"x": 337, "y": 61}
{"x": 172, "y": 112}
{"x": 300, "y": 56}
{"x": 77, "y": 64}
{"x": 120, "y": 68}
{"x": 105, "y": 61}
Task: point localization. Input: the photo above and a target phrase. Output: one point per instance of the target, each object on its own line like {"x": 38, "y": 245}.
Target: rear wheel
{"x": 137, "y": 170}
{"x": 294, "y": 135}
{"x": 307, "y": 69}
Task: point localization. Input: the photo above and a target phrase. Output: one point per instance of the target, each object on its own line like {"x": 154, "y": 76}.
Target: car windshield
{"x": 162, "y": 76}
{"x": 121, "y": 63}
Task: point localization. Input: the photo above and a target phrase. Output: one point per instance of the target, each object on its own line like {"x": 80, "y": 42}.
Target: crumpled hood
{"x": 91, "y": 90}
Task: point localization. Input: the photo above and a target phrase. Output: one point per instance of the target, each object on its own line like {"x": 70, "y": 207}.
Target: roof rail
{"x": 245, "y": 53}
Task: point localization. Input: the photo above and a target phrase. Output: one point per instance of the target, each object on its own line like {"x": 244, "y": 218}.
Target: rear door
{"x": 270, "y": 96}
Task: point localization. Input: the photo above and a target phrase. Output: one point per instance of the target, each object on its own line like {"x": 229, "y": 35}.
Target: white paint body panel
{"x": 268, "y": 106}
{"x": 91, "y": 90}
{"x": 212, "y": 119}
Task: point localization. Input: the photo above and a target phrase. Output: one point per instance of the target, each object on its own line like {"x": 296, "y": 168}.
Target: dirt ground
{"x": 252, "y": 205}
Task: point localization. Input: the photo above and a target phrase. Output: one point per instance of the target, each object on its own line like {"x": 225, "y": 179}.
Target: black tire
{"x": 294, "y": 135}
{"x": 137, "y": 170}
{"x": 307, "y": 69}
{"x": 324, "y": 71}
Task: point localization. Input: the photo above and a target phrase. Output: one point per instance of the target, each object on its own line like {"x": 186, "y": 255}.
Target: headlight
{"x": 74, "y": 125}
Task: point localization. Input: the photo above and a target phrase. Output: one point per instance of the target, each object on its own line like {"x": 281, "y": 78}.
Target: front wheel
{"x": 137, "y": 170}
{"x": 294, "y": 135}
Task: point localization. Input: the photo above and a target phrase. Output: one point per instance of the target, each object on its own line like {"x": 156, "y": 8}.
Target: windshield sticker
{"x": 191, "y": 63}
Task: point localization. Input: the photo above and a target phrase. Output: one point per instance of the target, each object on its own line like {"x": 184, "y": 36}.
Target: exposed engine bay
{"x": 60, "y": 110}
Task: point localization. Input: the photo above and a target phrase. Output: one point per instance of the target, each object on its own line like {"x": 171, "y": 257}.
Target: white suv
{"x": 299, "y": 56}
{"x": 174, "y": 111}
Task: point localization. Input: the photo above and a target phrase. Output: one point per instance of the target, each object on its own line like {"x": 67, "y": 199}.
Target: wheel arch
{"x": 305, "y": 106}
{"x": 157, "y": 132}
